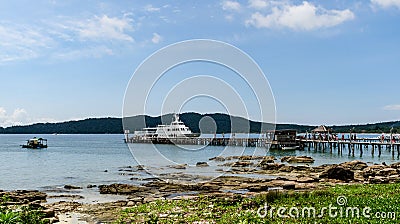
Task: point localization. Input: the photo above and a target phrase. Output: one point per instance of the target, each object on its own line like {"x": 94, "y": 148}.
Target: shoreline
{"x": 297, "y": 178}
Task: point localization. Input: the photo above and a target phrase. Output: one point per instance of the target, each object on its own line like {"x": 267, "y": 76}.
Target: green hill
{"x": 223, "y": 122}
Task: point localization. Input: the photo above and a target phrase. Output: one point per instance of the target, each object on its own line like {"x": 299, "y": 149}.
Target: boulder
{"x": 179, "y": 166}
{"x": 286, "y": 169}
{"x": 395, "y": 165}
{"x": 202, "y": 164}
{"x": 242, "y": 163}
{"x": 372, "y": 170}
{"x": 354, "y": 165}
{"x": 268, "y": 159}
{"x": 338, "y": 173}
{"x": 71, "y": 187}
{"x": 387, "y": 172}
{"x": 307, "y": 180}
{"x": 297, "y": 159}
{"x": 272, "y": 166}
{"x": 120, "y": 189}
{"x": 218, "y": 159}
{"x": 378, "y": 180}
{"x": 24, "y": 197}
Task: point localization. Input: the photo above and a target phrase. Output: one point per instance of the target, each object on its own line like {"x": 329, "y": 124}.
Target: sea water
{"x": 81, "y": 160}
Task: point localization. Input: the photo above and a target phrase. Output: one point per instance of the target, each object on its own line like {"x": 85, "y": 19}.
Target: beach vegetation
{"x": 19, "y": 214}
{"x": 373, "y": 203}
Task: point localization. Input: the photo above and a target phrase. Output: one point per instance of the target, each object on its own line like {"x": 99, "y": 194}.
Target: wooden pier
{"x": 350, "y": 146}
{"x": 243, "y": 142}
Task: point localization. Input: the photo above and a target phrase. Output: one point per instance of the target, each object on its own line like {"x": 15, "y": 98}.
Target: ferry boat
{"x": 162, "y": 133}
{"x": 35, "y": 143}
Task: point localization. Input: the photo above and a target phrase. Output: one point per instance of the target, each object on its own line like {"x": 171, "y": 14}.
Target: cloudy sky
{"x": 332, "y": 62}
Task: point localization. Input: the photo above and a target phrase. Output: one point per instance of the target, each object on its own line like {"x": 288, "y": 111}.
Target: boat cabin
{"x": 35, "y": 143}
{"x": 285, "y": 140}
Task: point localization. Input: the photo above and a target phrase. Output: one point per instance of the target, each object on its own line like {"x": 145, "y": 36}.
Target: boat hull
{"x": 34, "y": 147}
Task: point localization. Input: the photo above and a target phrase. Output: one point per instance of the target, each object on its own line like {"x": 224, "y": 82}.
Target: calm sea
{"x": 83, "y": 159}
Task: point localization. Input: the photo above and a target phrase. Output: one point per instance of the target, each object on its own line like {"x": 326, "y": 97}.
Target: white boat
{"x": 177, "y": 129}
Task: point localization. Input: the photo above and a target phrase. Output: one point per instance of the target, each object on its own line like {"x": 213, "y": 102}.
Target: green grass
{"x": 373, "y": 200}
{"x": 19, "y": 215}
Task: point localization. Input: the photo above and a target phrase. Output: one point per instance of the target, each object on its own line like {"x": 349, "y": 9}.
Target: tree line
{"x": 219, "y": 123}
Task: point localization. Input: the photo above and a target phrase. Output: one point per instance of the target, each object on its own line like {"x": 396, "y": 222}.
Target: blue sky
{"x": 328, "y": 62}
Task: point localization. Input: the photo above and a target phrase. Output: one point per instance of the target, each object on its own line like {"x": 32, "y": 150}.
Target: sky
{"x": 327, "y": 62}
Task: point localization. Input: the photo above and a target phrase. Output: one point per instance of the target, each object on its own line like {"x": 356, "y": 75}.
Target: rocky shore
{"x": 248, "y": 176}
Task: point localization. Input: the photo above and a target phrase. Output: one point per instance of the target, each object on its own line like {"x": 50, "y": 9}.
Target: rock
{"x": 242, "y": 164}
{"x": 286, "y": 169}
{"x": 395, "y": 165}
{"x": 130, "y": 203}
{"x": 297, "y": 159}
{"x": 258, "y": 188}
{"x": 179, "y": 166}
{"x": 354, "y": 165}
{"x": 302, "y": 168}
{"x": 105, "y": 171}
{"x": 272, "y": 166}
{"x": 136, "y": 199}
{"x": 264, "y": 186}
{"x": 378, "y": 180}
{"x": 120, "y": 189}
{"x": 140, "y": 167}
{"x": 149, "y": 199}
{"x": 218, "y": 159}
{"x": 387, "y": 172}
{"x": 267, "y": 159}
{"x": 71, "y": 187}
{"x": 24, "y": 197}
{"x": 394, "y": 178}
{"x": 372, "y": 170}
{"x": 202, "y": 164}
{"x": 48, "y": 213}
{"x": 338, "y": 173}
{"x": 306, "y": 180}
{"x": 289, "y": 186}
{"x": 91, "y": 186}
{"x": 244, "y": 157}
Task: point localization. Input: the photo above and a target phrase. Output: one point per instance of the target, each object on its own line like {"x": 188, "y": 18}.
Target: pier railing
{"x": 375, "y": 144}
{"x": 342, "y": 145}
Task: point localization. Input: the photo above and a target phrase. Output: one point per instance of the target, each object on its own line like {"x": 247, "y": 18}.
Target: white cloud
{"x": 88, "y": 52}
{"x": 18, "y": 117}
{"x": 258, "y": 4}
{"x": 300, "y": 17}
{"x": 156, "y": 38}
{"x": 231, "y": 6}
{"x": 105, "y": 28}
{"x": 392, "y": 107}
{"x": 150, "y": 8}
{"x": 21, "y": 42}
{"x": 386, "y": 3}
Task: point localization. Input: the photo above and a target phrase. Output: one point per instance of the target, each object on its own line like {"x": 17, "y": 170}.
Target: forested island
{"x": 223, "y": 124}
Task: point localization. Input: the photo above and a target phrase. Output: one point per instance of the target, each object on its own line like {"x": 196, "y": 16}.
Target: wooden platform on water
{"x": 351, "y": 146}
{"x": 245, "y": 142}
{"x": 375, "y": 144}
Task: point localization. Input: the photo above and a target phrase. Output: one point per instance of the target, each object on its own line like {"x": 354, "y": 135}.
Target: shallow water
{"x": 83, "y": 159}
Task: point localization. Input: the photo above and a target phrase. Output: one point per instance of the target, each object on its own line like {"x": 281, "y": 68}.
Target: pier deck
{"x": 374, "y": 144}
{"x": 348, "y": 145}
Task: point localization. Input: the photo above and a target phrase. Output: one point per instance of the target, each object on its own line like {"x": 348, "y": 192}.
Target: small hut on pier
{"x": 322, "y": 129}
{"x": 321, "y": 132}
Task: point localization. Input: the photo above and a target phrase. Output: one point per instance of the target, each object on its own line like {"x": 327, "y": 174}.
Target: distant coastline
{"x": 111, "y": 125}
